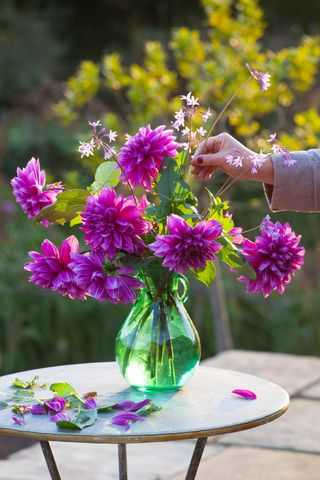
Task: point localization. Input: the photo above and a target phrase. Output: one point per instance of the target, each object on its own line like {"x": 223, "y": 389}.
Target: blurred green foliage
{"x": 210, "y": 63}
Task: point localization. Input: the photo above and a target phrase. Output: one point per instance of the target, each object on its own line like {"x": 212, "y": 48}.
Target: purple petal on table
{"x": 123, "y": 405}
{"x": 139, "y": 405}
{"x": 18, "y": 420}
{"x": 38, "y": 410}
{"x": 247, "y": 394}
{"x": 124, "y": 418}
{"x": 56, "y": 405}
{"x": 61, "y": 416}
{"x": 90, "y": 404}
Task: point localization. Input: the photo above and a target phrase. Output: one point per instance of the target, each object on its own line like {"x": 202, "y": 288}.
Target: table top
{"x": 204, "y": 407}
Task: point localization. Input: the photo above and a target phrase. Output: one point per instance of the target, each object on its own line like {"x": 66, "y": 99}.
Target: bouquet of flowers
{"x": 148, "y": 234}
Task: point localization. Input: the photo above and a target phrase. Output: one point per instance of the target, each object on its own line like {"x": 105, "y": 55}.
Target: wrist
{"x": 265, "y": 173}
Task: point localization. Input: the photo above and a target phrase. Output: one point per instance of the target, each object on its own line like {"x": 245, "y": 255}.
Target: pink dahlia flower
{"x": 112, "y": 223}
{"x": 186, "y": 246}
{"x": 142, "y": 155}
{"x": 31, "y": 191}
{"x": 275, "y": 256}
{"x": 51, "y": 268}
{"x": 104, "y": 282}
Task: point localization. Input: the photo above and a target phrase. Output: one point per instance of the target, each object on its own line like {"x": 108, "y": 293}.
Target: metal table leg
{"x": 196, "y": 458}
{"x": 122, "y": 455}
{"x": 51, "y": 464}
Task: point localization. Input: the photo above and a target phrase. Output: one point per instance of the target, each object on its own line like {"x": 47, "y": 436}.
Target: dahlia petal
{"x": 247, "y": 394}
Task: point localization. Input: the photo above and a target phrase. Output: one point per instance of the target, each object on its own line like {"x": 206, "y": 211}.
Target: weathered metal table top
{"x": 204, "y": 407}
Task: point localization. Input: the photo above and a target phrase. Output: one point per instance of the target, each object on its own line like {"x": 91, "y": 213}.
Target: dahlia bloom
{"x": 50, "y": 269}
{"x": 31, "y": 191}
{"x": 186, "y": 246}
{"x": 112, "y": 223}
{"x": 142, "y": 155}
{"x": 112, "y": 286}
{"x": 275, "y": 256}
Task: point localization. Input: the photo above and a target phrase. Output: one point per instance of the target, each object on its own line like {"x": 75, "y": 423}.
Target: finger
{"x": 195, "y": 170}
{"x": 211, "y": 145}
{"x": 209, "y": 160}
{"x": 203, "y": 173}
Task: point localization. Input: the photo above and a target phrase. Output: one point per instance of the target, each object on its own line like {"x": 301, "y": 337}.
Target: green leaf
{"x": 233, "y": 257}
{"x": 85, "y": 418}
{"x": 148, "y": 410}
{"x": 68, "y": 206}
{"x": 229, "y": 254}
{"x": 106, "y": 176}
{"x": 18, "y": 383}
{"x": 217, "y": 212}
{"x": 134, "y": 261}
{"x": 62, "y": 389}
{"x": 106, "y": 408}
{"x": 76, "y": 221}
{"x": 180, "y": 158}
{"x": 23, "y": 394}
{"x": 3, "y": 405}
{"x": 73, "y": 401}
{"x": 69, "y": 425}
{"x": 207, "y": 274}
{"x": 173, "y": 193}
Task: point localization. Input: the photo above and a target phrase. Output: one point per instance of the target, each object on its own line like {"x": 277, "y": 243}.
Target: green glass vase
{"x": 158, "y": 347}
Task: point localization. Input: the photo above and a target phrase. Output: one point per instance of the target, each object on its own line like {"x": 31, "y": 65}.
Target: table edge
{"x": 116, "y": 439}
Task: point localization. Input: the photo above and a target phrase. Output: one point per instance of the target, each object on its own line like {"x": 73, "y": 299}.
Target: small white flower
{"x": 108, "y": 152}
{"x": 190, "y": 99}
{"x": 86, "y": 148}
{"x": 206, "y": 115}
{"x": 180, "y": 117}
{"x": 112, "y": 136}
{"x": 257, "y": 160}
{"x": 94, "y": 125}
{"x": 234, "y": 161}
{"x": 273, "y": 138}
{"x": 201, "y": 132}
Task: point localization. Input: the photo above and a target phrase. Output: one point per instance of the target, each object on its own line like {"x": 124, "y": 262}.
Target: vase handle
{"x": 184, "y": 295}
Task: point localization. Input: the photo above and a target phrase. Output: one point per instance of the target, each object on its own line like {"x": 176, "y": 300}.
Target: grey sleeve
{"x": 296, "y": 187}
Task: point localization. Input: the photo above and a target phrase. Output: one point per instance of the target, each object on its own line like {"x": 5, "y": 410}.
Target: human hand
{"x": 211, "y": 156}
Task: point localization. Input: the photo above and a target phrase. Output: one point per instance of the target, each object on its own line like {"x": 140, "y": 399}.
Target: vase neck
{"x": 160, "y": 283}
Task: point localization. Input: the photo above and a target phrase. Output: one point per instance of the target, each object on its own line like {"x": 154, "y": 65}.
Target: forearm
{"x": 296, "y": 187}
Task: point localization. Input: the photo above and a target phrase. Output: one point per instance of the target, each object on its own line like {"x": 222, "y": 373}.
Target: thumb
{"x": 209, "y": 160}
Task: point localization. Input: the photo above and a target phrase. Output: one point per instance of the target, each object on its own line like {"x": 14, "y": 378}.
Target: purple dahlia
{"x": 51, "y": 268}
{"x": 275, "y": 256}
{"x": 186, "y": 246}
{"x": 112, "y": 223}
{"x": 142, "y": 155}
{"x": 104, "y": 282}
{"x": 31, "y": 191}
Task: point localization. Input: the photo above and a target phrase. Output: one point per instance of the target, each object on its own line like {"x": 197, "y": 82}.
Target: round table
{"x": 204, "y": 407}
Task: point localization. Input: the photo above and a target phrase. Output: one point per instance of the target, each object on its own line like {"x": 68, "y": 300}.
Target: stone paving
{"x": 286, "y": 449}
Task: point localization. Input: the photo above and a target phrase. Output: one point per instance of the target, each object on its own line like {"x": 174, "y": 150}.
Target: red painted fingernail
{"x": 200, "y": 160}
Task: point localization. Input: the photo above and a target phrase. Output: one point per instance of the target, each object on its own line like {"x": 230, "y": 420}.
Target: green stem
{"x": 124, "y": 173}
{"x": 132, "y": 341}
{"x": 153, "y": 353}
{"x": 169, "y": 346}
